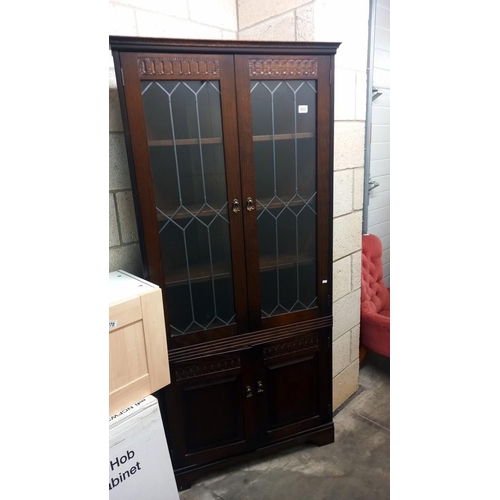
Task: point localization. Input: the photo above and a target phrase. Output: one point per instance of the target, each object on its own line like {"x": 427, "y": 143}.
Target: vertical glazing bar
{"x": 199, "y": 139}
{"x": 297, "y": 252}
{"x": 212, "y": 269}
{"x": 275, "y": 192}
{"x": 189, "y": 277}
{"x": 274, "y": 142}
{"x": 277, "y": 260}
{"x": 296, "y": 183}
{"x": 173, "y": 137}
{"x": 205, "y": 192}
{"x": 180, "y": 200}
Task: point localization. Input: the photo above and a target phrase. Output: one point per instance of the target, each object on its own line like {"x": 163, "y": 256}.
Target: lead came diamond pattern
{"x": 285, "y": 213}
{"x": 195, "y": 233}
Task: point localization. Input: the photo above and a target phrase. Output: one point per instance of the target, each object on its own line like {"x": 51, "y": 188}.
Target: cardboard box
{"x": 139, "y": 461}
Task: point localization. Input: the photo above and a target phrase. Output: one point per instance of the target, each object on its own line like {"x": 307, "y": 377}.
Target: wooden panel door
{"x": 138, "y": 357}
{"x": 213, "y": 410}
{"x": 285, "y": 130}
{"x": 293, "y": 386}
{"x": 182, "y": 126}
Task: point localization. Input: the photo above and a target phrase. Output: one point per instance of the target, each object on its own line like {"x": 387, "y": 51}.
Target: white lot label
{"x": 303, "y": 108}
{"x": 113, "y": 324}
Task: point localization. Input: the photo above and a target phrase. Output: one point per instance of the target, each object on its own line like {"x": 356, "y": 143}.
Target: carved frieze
{"x": 283, "y": 67}
{"x": 200, "y": 369}
{"x": 177, "y": 66}
{"x": 296, "y": 346}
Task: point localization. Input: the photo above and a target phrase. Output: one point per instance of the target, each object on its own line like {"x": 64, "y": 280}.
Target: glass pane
{"x": 284, "y": 130}
{"x": 184, "y": 127}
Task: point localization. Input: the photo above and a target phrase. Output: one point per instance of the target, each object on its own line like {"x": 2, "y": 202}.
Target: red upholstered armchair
{"x": 375, "y": 299}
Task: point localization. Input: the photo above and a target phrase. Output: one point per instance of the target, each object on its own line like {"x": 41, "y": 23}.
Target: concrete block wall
{"x": 345, "y": 21}
{"x": 124, "y": 250}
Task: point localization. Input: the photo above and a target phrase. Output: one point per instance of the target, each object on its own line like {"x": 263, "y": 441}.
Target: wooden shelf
{"x": 282, "y": 137}
{"x": 208, "y": 212}
{"x": 218, "y": 140}
{"x": 276, "y": 204}
{"x": 186, "y": 142}
{"x": 200, "y": 274}
{"x": 268, "y": 263}
{"x": 184, "y": 214}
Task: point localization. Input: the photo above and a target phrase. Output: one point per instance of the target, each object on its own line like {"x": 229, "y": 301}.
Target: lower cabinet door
{"x": 213, "y": 415}
{"x": 293, "y": 386}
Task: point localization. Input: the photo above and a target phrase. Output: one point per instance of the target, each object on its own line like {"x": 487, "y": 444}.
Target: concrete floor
{"x": 355, "y": 467}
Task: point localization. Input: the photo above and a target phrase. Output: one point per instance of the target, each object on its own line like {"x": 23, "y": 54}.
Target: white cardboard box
{"x": 139, "y": 461}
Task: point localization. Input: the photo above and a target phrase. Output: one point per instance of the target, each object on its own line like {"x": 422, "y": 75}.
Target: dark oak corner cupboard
{"x": 230, "y": 147}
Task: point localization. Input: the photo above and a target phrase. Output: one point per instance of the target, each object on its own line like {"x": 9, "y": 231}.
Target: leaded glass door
{"x": 192, "y": 220}
{"x": 284, "y": 125}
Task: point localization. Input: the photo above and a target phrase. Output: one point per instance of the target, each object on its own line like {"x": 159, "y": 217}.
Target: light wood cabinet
{"x": 138, "y": 356}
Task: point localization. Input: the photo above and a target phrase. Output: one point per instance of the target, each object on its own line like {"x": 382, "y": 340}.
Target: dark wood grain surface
{"x": 258, "y": 385}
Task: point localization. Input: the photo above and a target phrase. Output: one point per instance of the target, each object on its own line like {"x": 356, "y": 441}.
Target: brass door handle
{"x": 260, "y": 386}
{"x": 236, "y": 206}
{"x": 250, "y": 205}
{"x": 249, "y": 392}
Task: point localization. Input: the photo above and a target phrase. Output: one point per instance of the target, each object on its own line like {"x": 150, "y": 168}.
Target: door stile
{"x": 144, "y": 197}
{"x": 248, "y": 189}
{"x": 262, "y": 389}
{"x": 233, "y": 183}
{"x": 325, "y": 187}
